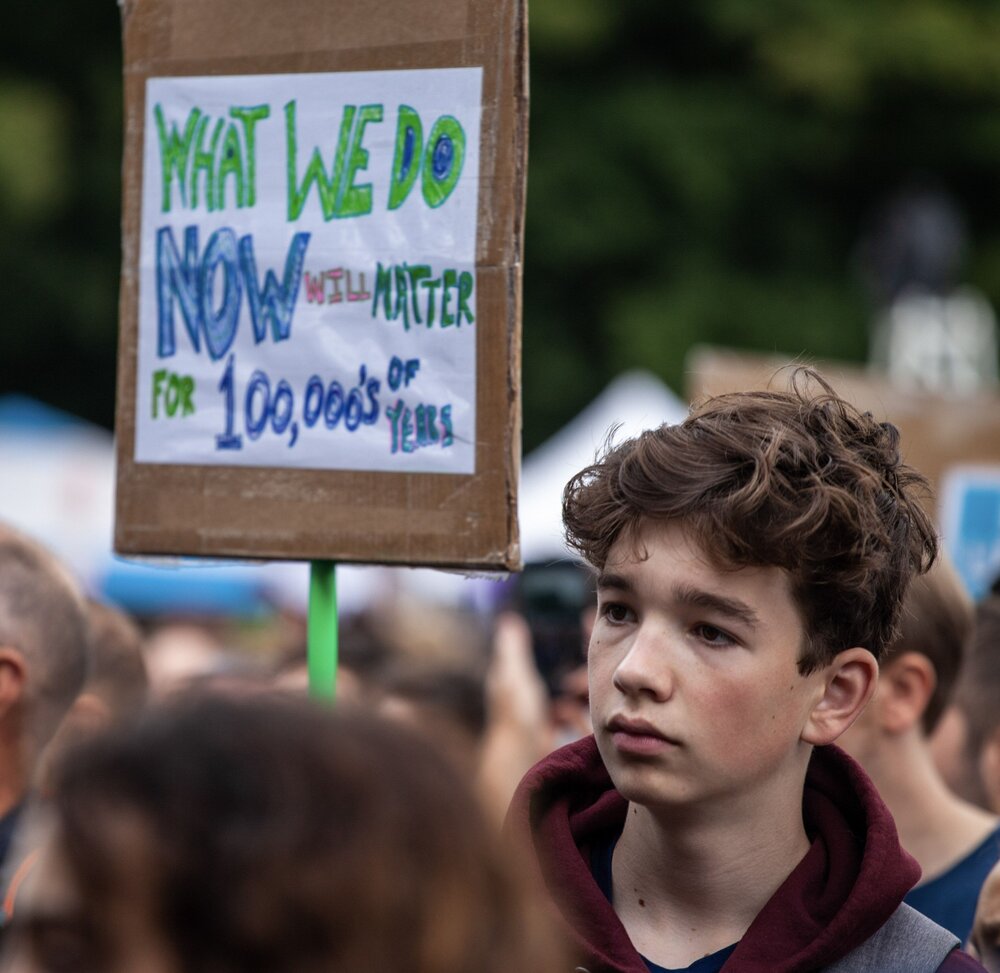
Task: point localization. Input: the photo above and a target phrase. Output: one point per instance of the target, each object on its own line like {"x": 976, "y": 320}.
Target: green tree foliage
{"x": 704, "y": 172}
{"x": 60, "y": 165}
{"x": 699, "y": 172}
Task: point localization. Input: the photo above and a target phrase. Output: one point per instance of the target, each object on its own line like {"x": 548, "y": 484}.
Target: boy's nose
{"x": 646, "y": 667}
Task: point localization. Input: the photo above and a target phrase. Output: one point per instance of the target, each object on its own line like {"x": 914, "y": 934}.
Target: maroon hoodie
{"x": 850, "y": 882}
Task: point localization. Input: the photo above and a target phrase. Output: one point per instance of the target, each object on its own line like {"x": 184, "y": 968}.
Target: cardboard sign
{"x": 320, "y": 302}
{"x": 300, "y": 316}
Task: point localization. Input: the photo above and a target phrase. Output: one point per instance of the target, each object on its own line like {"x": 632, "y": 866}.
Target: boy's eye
{"x": 617, "y": 613}
{"x": 711, "y": 635}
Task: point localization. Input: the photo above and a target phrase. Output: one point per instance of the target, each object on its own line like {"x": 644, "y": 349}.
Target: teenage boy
{"x": 751, "y": 562}
{"x": 954, "y": 842}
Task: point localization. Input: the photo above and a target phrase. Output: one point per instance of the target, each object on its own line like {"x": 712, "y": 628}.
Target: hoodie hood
{"x": 851, "y": 880}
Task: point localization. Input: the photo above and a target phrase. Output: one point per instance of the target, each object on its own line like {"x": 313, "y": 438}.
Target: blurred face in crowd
{"x": 61, "y": 926}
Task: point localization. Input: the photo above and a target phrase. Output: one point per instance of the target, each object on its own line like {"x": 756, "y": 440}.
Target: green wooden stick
{"x": 322, "y": 637}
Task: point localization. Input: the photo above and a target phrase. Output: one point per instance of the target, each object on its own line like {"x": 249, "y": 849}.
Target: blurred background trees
{"x": 699, "y": 172}
{"x": 60, "y": 187}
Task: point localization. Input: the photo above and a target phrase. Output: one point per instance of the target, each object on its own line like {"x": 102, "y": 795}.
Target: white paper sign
{"x": 307, "y": 291}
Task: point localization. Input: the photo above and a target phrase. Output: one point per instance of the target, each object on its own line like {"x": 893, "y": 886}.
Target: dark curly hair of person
{"x": 271, "y": 835}
{"x": 799, "y": 480}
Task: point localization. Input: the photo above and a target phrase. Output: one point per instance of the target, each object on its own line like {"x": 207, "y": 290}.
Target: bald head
{"x": 43, "y": 627}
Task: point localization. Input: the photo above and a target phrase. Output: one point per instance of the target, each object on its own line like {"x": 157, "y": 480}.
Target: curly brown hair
{"x": 797, "y": 479}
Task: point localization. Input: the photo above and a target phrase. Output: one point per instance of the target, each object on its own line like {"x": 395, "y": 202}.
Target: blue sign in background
{"x": 971, "y": 524}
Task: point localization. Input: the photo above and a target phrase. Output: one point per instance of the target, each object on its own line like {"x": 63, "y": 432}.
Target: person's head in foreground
{"x": 240, "y": 835}
{"x": 751, "y": 564}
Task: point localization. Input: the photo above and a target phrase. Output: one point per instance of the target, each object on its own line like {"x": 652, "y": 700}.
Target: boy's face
{"x": 694, "y": 686}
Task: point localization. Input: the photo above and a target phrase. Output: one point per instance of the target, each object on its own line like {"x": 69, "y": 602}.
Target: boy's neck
{"x": 688, "y": 884}
{"x": 935, "y": 825}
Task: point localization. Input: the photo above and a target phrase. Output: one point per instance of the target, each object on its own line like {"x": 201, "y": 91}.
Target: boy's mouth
{"x": 638, "y": 736}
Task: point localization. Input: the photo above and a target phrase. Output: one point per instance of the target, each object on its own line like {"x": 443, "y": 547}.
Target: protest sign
{"x": 321, "y": 280}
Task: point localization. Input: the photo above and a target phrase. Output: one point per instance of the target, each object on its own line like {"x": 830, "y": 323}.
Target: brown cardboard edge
{"x": 507, "y": 556}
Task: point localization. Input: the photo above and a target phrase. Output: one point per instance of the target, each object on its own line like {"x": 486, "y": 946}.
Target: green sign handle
{"x": 322, "y": 637}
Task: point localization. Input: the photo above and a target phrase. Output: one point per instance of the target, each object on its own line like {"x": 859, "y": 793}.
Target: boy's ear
{"x": 905, "y": 687}
{"x": 848, "y": 682}
{"x": 13, "y": 670}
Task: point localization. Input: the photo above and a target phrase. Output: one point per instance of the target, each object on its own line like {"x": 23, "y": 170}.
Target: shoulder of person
{"x": 908, "y": 942}
{"x": 958, "y": 961}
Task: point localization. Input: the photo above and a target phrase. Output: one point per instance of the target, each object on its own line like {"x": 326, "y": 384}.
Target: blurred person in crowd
{"x": 486, "y": 709}
{"x": 527, "y": 715}
{"x": 966, "y": 744}
{"x": 536, "y": 681}
{"x": 114, "y": 692}
{"x": 269, "y": 834}
{"x": 491, "y": 717}
{"x": 557, "y": 601}
{"x": 954, "y": 842}
{"x": 752, "y": 562}
{"x": 116, "y": 679}
{"x": 362, "y": 652}
{"x": 445, "y": 703}
{"x": 985, "y": 941}
{"x": 437, "y": 635}
{"x": 518, "y": 732}
{"x": 496, "y": 716}
{"x": 43, "y": 662}
{"x": 180, "y": 652}
{"x": 117, "y": 684}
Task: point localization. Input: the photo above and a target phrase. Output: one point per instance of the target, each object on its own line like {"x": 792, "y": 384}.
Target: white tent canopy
{"x": 633, "y": 402}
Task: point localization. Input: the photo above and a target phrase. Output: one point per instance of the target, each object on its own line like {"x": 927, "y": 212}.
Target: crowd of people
{"x": 776, "y": 750}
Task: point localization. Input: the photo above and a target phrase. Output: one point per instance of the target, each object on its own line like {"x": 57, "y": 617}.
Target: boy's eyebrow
{"x": 608, "y": 580}
{"x": 732, "y": 607}
{"x": 690, "y": 595}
